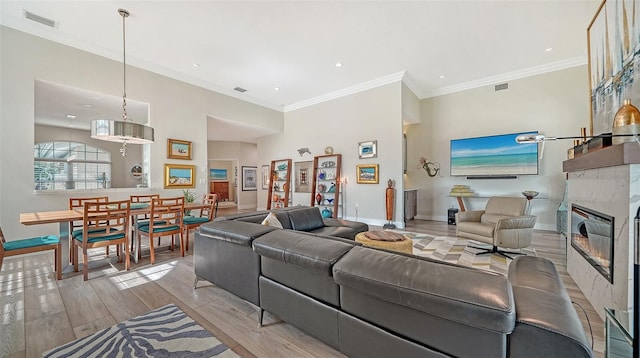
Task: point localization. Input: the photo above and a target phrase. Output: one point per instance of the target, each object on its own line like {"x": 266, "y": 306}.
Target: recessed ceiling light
{"x": 196, "y": 65}
{"x": 71, "y": 116}
{"x": 339, "y": 64}
{"x": 441, "y": 76}
{"x": 548, "y": 49}
{"x": 276, "y": 88}
{"x": 87, "y": 106}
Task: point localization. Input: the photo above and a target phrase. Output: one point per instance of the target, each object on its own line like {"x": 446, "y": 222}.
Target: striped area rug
{"x": 460, "y": 251}
{"x": 164, "y": 332}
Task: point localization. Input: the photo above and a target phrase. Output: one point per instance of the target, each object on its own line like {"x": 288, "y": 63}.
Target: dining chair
{"x": 141, "y": 219}
{"x": 166, "y": 219}
{"x": 31, "y": 245}
{"x": 206, "y": 214}
{"x": 75, "y": 227}
{"x": 105, "y": 224}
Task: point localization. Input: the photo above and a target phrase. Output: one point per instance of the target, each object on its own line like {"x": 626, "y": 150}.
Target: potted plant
{"x": 189, "y": 197}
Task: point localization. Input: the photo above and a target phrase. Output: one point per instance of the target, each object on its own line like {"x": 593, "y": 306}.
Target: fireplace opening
{"x": 592, "y": 237}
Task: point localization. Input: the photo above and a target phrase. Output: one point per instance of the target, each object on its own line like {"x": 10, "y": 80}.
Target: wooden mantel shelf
{"x": 620, "y": 154}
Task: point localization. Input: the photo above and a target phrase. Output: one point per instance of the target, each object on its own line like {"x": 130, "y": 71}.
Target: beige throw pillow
{"x": 272, "y": 220}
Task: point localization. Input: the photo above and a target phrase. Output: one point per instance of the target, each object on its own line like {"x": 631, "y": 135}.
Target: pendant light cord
{"x": 124, "y": 14}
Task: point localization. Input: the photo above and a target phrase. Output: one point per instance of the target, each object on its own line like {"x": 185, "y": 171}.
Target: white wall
{"x": 342, "y": 123}
{"x": 556, "y": 104}
{"x": 177, "y": 110}
{"x": 246, "y": 155}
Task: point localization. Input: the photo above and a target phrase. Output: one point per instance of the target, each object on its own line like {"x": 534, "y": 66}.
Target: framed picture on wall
{"x": 179, "y": 176}
{"x": 612, "y": 41}
{"x": 249, "y": 178}
{"x": 303, "y": 173}
{"x": 178, "y": 149}
{"x": 367, "y": 174}
{"x": 368, "y": 149}
{"x": 217, "y": 174}
{"x": 265, "y": 177}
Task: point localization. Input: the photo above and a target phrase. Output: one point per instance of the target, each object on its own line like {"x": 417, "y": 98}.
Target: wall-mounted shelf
{"x": 280, "y": 184}
{"x": 326, "y": 183}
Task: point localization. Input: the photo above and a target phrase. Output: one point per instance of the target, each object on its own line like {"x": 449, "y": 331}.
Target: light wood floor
{"x": 40, "y": 313}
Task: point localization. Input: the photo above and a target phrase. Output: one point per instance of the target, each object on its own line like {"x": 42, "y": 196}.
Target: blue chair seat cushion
{"x": 142, "y": 224}
{"x": 31, "y": 242}
{"x": 78, "y": 232}
{"x": 189, "y": 220}
{"x": 160, "y": 229}
{"x": 100, "y": 238}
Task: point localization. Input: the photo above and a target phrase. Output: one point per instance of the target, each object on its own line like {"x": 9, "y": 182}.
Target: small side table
{"x": 618, "y": 335}
{"x": 460, "y": 202}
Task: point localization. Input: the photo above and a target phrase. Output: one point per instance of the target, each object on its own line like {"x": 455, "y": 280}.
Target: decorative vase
{"x": 318, "y": 198}
{"x": 326, "y": 213}
{"x": 321, "y": 175}
{"x": 626, "y": 121}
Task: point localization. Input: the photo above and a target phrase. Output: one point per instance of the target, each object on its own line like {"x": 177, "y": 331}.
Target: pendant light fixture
{"x": 125, "y": 131}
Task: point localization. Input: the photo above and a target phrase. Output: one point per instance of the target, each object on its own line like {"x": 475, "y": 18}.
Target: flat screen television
{"x": 497, "y": 155}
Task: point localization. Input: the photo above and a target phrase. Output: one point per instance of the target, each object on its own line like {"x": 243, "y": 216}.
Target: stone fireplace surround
{"x": 608, "y": 181}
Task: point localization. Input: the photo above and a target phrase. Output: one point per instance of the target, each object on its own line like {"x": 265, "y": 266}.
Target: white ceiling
{"x": 294, "y": 45}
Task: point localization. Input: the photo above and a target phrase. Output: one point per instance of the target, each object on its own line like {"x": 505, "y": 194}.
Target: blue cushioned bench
{"x": 31, "y": 245}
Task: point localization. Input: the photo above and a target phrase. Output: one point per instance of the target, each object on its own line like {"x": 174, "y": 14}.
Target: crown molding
{"x": 395, "y": 77}
{"x": 509, "y": 76}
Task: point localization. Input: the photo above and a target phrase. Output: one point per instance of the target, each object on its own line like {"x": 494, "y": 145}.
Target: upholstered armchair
{"x": 503, "y": 223}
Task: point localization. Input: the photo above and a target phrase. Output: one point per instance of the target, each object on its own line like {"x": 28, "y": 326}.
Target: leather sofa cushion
{"x": 546, "y": 326}
{"x": 545, "y": 315}
{"x": 337, "y": 231}
{"x": 356, "y": 226}
{"x": 465, "y": 295}
{"x": 533, "y": 272}
{"x": 306, "y": 219}
{"x": 306, "y": 251}
{"x": 238, "y": 232}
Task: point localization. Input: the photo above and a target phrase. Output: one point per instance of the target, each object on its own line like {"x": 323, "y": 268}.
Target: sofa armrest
{"x": 518, "y": 222}
{"x": 237, "y": 232}
{"x": 473, "y": 215}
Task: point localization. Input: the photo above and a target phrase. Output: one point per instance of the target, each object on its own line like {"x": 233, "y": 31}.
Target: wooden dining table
{"x": 64, "y": 217}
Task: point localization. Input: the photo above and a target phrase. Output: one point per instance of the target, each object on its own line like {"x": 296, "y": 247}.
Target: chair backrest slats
{"x": 106, "y": 219}
{"x": 77, "y": 203}
{"x": 209, "y": 211}
{"x": 166, "y": 212}
{"x": 143, "y": 198}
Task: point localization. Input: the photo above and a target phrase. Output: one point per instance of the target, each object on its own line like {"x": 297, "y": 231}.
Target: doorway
{"x": 223, "y": 180}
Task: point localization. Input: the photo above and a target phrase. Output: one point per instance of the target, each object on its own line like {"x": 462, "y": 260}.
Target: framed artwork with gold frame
{"x": 367, "y": 174}
{"x": 179, "y": 176}
{"x": 178, "y": 149}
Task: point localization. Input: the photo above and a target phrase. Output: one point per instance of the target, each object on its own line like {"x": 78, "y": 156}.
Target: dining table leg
{"x": 65, "y": 241}
{"x": 135, "y": 239}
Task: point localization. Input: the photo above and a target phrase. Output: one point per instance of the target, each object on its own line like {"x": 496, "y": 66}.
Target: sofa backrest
{"x": 306, "y": 219}
{"x": 503, "y": 207}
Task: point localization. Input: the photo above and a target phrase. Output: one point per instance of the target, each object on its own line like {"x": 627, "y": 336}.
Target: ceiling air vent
{"x": 502, "y": 86}
{"x": 240, "y": 89}
{"x": 37, "y": 18}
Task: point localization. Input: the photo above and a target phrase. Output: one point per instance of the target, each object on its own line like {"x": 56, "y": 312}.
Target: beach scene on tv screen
{"x": 493, "y": 155}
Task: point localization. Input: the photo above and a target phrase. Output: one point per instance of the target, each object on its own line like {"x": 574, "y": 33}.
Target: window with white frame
{"x": 61, "y": 165}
